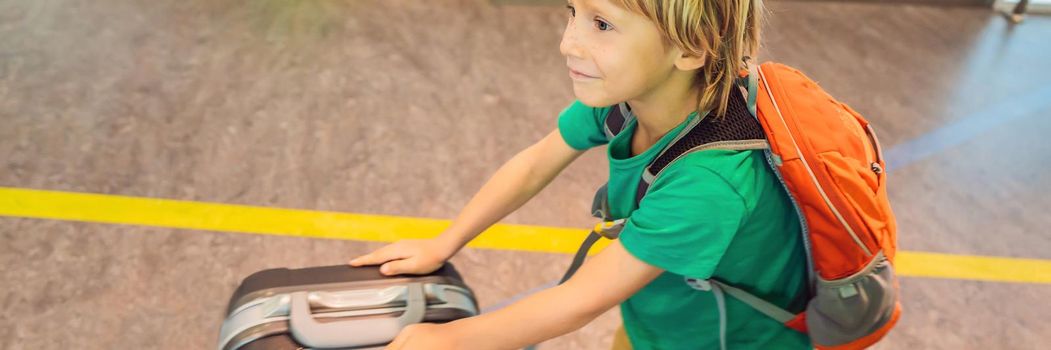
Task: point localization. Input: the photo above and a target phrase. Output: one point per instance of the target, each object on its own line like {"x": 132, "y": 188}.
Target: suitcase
{"x": 338, "y": 307}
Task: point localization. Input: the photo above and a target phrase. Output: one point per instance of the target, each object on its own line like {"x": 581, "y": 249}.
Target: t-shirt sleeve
{"x": 581, "y": 126}
{"x": 686, "y": 222}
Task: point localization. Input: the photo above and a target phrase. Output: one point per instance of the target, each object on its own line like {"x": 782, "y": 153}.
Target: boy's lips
{"x": 578, "y": 75}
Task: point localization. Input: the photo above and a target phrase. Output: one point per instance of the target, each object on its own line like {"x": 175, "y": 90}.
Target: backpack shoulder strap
{"x": 618, "y": 116}
{"x": 736, "y": 130}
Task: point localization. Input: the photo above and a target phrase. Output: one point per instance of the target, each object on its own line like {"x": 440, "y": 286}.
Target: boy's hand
{"x": 426, "y": 336}
{"x": 413, "y": 256}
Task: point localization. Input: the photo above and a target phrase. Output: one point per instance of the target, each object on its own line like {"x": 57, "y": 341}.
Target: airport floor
{"x": 405, "y": 108}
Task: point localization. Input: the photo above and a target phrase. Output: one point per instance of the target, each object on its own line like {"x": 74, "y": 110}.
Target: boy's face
{"x": 614, "y": 55}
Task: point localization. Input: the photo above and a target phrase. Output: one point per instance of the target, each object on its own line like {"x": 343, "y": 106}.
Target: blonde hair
{"x": 724, "y": 32}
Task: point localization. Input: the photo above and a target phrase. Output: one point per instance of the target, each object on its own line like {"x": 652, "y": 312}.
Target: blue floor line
{"x": 964, "y": 129}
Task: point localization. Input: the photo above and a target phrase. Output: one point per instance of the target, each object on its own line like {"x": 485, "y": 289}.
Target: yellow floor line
{"x": 969, "y": 267}
{"x": 112, "y": 209}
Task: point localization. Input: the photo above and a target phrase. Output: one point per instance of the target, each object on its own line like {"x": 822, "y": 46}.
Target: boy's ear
{"x": 689, "y": 62}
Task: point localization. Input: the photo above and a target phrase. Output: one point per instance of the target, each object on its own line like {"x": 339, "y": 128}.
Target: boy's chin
{"x": 593, "y": 101}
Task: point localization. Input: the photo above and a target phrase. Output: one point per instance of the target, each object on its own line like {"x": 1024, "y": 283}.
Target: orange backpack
{"x": 829, "y": 161}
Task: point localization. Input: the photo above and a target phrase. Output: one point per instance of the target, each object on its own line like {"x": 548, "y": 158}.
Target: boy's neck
{"x": 665, "y": 106}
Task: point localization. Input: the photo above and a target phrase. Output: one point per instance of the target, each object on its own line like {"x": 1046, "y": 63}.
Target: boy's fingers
{"x": 377, "y": 257}
{"x": 362, "y": 260}
{"x": 396, "y": 267}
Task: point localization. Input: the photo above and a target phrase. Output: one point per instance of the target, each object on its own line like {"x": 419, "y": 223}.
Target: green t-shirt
{"x": 712, "y": 213}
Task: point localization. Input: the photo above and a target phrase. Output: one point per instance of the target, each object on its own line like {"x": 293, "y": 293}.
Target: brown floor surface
{"x": 405, "y": 108}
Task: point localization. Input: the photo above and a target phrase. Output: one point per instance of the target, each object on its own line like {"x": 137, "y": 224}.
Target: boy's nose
{"x": 569, "y": 45}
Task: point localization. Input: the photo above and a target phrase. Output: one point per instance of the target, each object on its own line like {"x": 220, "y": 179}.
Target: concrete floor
{"x": 406, "y": 107}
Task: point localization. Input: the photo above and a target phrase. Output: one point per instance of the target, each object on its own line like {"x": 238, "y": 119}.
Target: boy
{"x": 710, "y": 214}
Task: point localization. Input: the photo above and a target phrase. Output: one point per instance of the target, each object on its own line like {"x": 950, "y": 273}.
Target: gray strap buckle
{"x": 600, "y": 205}
{"x": 699, "y": 284}
{"x": 610, "y": 229}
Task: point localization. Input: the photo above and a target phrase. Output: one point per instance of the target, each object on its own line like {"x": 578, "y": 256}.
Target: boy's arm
{"x": 603, "y": 282}
{"x": 517, "y": 181}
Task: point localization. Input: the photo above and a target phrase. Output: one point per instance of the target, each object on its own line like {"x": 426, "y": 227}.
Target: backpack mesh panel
{"x": 736, "y": 125}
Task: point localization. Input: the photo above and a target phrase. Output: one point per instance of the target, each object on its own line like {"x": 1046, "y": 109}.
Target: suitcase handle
{"x": 353, "y": 299}
{"x": 352, "y": 333}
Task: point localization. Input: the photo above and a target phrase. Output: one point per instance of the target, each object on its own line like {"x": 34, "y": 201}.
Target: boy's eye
{"x": 572, "y": 11}
{"x": 603, "y": 26}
